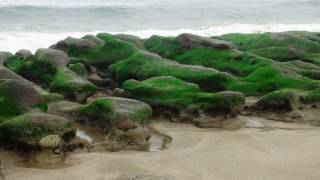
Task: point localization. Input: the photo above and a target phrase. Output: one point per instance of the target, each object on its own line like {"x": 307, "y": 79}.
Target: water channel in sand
{"x": 263, "y": 150}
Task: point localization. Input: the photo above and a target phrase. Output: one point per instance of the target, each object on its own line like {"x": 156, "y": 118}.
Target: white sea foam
{"x": 14, "y": 41}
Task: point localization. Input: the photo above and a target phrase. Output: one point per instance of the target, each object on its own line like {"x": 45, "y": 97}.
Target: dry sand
{"x": 265, "y": 150}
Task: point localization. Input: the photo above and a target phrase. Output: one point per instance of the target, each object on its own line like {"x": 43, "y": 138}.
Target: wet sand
{"x": 262, "y": 151}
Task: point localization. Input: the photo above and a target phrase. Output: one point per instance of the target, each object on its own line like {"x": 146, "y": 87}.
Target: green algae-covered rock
{"x": 174, "y": 93}
{"x": 23, "y": 53}
{"x": 205, "y": 52}
{"x": 280, "y": 53}
{"x": 52, "y": 56}
{"x": 166, "y": 47}
{"x": 309, "y": 42}
{"x": 17, "y": 97}
{"x": 79, "y": 69}
{"x": 170, "y": 47}
{"x": 312, "y": 96}
{"x": 6, "y": 73}
{"x": 33, "y": 69}
{"x": 269, "y": 78}
{"x": 138, "y": 42}
{"x": 191, "y": 41}
{"x": 112, "y": 108}
{"x": 71, "y": 85}
{"x": 81, "y": 44}
{"x": 100, "y": 55}
{"x": 144, "y": 65}
{"x": 52, "y": 73}
{"x": 228, "y": 60}
{"x": 83, "y": 61}
{"x": 95, "y": 39}
{"x": 258, "y": 75}
{"x": 28, "y": 129}
{"x": 281, "y": 100}
{"x": 4, "y": 56}
{"x": 105, "y": 111}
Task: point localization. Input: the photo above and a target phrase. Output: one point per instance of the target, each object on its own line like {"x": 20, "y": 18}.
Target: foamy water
{"x": 14, "y": 41}
{"x": 31, "y": 24}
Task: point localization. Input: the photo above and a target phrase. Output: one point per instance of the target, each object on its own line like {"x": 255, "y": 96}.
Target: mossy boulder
{"x": 135, "y": 40}
{"x": 6, "y": 73}
{"x": 3, "y": 56}
{"x": 171, "y": 47}
{"x": 17, "y": 97}
{"x": 104, "y": 112}
{"x": 144, "y": 65}
{"x": 280, "y": 53}
{"x": 52, "y": 56}
{"x": 81, "y": 44}
{"x": 71, "y": 85}
{"x": 307, "y": 41}
{"x": 191, "y": 41}
{"x": 94, "y": 39}
{"x": 228, "y": 60}
{"x": 311, "y": 97}
{"x": 122, "y": 119}
{"x": 282, "y": 100}
{"x": 166, "y": 47}
{"x": 23, "y": 53}
{"x": 83, "y": 61}
{"x": 201, "y": 52}
{"x": 110, "y": 110}
{"x": 29, "y": 129}
{"x": 170, "y": 92}
{"x": 38, "y": 71}
{"x": 79, "y": 69}
{"x": 50, "y": 72}
{"x": 101, "y": 55}
{"x": 266, "y": 79}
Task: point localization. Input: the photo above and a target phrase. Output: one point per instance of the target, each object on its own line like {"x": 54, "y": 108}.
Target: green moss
{"x": 106, "y": 110}
{"x": 174, "y": 93}
{"x": 33, "y": 69}
{"x": 83, "y": 61}
{"x": 143, "y": 65}
{"x": 312, "y": 96}
{"x": 99, "y": 110}
{"x": 112, "y": 51}
{"x": 7, "y": 107}
{"x": 270, "y": 78}
{"x": 219, "y": 101}
{"x": 281, "y": 100}
{"x": 42, "y": 107}
{"x": 19, "y": 128}
{"x": 14, "y": 63}
{"x": 29, "y": 128}
{"x": 162, "y": 91}
{"x": 79, "y": 68}
{"x": 141, "y": 116}
{"x": 298, "y": 40}
{"x": 164, "y": 46}
{"x": 232, "y": 61}
{"x": 280, "y": 53}
{"x": 70, "y": 84}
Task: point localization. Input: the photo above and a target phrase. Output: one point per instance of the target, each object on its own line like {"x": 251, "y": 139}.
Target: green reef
{"x": 120, "y": 82}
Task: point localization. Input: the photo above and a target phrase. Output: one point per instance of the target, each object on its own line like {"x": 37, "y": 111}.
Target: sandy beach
{"x": 264, "y": 150}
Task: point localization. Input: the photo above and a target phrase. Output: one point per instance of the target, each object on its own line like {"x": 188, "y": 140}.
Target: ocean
{"x": 31, "y": 24}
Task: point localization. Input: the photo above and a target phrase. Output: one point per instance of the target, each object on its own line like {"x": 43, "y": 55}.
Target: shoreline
{"x": 274, "y": 149}
{"x": 34, "y": 40}
{"x": 102, "y": 106}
